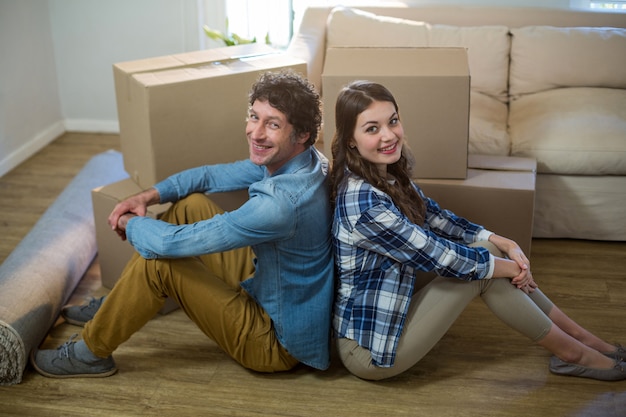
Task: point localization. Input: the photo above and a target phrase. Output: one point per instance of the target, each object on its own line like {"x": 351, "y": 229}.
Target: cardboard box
{"x": 498, "y": 193}
{"x": 432, "y": 89}
{"x": 181, "y": 111}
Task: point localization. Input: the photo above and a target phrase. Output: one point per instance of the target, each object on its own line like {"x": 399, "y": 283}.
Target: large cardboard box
{"x": 432, "y": 89}
{"x": 498, "y": 193}
{"x": 181, "y": 111}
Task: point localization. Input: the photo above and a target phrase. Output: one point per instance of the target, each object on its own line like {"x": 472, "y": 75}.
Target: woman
{"x": 407, "y": 268}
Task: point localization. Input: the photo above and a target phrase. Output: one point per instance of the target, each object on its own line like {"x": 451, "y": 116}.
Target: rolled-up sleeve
{"x": 382, "y": 230}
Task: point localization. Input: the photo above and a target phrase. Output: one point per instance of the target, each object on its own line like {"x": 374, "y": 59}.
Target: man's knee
{"x": 193, "y": 208}
{"x": 195, "y": 200}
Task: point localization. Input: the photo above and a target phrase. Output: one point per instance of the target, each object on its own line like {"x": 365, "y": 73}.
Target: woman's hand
{"x": 520, "y": 276}
{"x": 511, "y": 249}
{"x": 526, "y": 284}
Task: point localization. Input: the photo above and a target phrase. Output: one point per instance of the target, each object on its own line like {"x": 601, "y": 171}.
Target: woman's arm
{"x": 451, "y": 226}
{"x": 516, "y": 267}
{"x": 448, "y": 225}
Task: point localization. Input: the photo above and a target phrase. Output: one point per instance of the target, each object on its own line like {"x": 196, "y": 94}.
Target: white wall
{"x": 30, "y": 107}
{"x": 91, "y": 35}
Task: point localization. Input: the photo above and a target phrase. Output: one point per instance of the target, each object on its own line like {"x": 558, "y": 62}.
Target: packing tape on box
{"x": 41, "y": 273}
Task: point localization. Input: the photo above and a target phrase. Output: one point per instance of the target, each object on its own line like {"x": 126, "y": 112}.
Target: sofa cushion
{"x": 578, "y": 131}
{"x": 353, "y": 27}
{"x": 488, "y": 47}
{"x": 487, "y": 126}
{"x": 545, "y": 57}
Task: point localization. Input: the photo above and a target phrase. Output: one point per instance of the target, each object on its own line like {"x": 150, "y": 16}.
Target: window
{"x": 608, "y": 5}
{"x": 597, "y": 4}
{"x": 278, "y": 19}
{"x": 260, "y": 19}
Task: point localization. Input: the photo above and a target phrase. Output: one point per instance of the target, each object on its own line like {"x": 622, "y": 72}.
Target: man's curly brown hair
{"x": 294, "y": 96}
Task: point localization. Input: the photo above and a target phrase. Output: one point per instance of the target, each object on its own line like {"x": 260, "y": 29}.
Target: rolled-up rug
{"x": 41, "y": 273}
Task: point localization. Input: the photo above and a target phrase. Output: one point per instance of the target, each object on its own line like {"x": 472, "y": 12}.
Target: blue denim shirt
{"x": 287, "y": 222}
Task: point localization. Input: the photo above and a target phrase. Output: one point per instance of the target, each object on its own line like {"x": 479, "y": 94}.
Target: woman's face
{"x": 378, "y": 135}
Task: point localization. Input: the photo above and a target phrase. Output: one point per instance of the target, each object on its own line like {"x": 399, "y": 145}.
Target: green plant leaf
{"x": 231, "y": 39}
{"x": 214, "y": 34}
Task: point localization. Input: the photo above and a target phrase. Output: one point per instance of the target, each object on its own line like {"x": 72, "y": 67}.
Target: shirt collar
{"x": 296, "y": 163}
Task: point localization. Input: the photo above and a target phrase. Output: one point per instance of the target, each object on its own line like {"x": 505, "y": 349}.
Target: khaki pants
{"x": 436, "y": 303}
{"x": 206, "y": 288}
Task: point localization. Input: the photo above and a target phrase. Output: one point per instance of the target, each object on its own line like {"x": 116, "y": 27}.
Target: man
{"x": 257, "y": 280}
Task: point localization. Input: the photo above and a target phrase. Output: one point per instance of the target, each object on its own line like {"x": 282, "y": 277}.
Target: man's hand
{"x": 121, "y": 224}
{"x": 136, "y": 205}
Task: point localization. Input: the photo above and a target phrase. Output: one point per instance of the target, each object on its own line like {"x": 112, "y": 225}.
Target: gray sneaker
{"x": 63, "y": 363}
{"x": 79, "y": 315}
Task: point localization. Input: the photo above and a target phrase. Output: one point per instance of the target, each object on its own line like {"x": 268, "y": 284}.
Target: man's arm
{"x": 136, "y": 205}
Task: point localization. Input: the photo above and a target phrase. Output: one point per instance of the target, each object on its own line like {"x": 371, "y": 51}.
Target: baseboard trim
{"x": 31, "y": 147}
{"x": 52, "y": 132}
{"x": 92, "y": 126}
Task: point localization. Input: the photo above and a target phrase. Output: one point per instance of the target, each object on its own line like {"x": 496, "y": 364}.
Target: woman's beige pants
{"x": 436, "y": 303}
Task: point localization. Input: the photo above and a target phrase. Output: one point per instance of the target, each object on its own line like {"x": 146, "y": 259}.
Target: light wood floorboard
{"x": 169, "y": 368}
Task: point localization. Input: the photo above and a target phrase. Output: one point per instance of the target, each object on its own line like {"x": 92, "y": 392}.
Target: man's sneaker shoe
{"x": 79, "y": 315}
{"x": 63, "y": 363}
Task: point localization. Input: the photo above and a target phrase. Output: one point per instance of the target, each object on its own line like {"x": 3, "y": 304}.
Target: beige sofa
{"x": 546, "y": 84}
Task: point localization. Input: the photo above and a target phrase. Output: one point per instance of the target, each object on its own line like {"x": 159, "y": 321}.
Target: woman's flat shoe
{"x": 617, "y": 373}
{"x": 619, "y": 353}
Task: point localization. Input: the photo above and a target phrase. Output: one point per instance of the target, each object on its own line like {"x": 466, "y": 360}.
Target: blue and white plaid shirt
{"x": 377, "y": 251}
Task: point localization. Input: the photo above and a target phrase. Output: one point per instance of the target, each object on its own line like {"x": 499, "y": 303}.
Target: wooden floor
{"x": 169, "y": 368}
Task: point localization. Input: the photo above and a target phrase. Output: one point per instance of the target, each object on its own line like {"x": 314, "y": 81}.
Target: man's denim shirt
{"x": 286, "y": 221}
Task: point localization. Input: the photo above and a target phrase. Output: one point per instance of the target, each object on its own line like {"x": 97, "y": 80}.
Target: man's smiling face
{"x": 271, "y": 136}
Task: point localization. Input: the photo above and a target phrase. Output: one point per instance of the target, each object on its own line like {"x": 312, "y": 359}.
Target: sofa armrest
{"x": 309, "y": 43}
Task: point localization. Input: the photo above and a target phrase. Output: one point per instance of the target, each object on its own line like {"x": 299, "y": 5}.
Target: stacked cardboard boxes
{"x": 498, "y": 193}
{"x": 432, "y": 88}
{"x": 177, "y": 112}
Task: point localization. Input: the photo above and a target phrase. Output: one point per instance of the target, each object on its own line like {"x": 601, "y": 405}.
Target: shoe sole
{"x": 74, "y": 322}
{"x": 49, "y": 375}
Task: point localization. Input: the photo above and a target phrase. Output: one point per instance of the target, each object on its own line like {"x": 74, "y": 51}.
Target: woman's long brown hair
{"x": 352, "y": 101}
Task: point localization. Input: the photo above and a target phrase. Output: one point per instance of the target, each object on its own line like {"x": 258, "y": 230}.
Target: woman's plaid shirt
{"x": 377, "y": 251}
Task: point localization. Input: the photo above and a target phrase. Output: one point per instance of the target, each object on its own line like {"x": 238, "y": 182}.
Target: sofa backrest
{"x": 511, "y": 16}
{"x": 309, "y": 43}
{"x": 488, "y": 47}
{"x": 548, "y": 57}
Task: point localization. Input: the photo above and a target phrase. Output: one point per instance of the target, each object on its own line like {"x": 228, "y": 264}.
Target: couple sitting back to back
{"x": 260, "y": 280}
